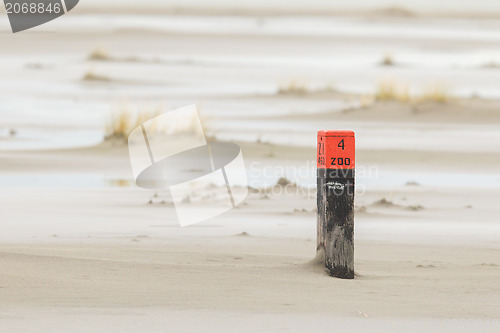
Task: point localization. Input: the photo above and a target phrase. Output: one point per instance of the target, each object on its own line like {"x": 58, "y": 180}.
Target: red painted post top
{"x": 336, "y": 149}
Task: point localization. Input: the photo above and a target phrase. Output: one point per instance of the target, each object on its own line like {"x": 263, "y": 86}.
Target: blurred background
{"x": 417, "y": 81}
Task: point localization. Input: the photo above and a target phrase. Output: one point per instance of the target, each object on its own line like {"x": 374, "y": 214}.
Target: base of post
{"x": 340, "y": 272}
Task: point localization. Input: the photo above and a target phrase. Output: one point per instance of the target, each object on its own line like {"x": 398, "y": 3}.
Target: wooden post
{"x": 336, "y": 165}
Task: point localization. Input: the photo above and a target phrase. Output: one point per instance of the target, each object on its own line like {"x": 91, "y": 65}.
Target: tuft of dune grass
{"x": 389, "y": 90}
{"x": 7, "y": 133}
{"x": 387, "y": 60}
{"x": 301, "y": 87}
{"x": 294, "y": 86}
{"x": 435, "y": 93}
{"x": 392, "y": 91}
{"x": 396, "y": 11}
{"x": 124, "y": 119}
{"x": 99, "y": 54}
{"x": 491, "y": 65}
{"x": 90, "y": 75}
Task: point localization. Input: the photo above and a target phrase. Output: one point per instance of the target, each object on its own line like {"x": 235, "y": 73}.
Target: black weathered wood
{"x": 321, "y": 225}
{"x": 324, "y": 175}
{"x": 337, "y": 205}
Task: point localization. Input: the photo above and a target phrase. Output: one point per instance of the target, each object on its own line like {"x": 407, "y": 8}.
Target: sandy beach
{"x": 83, "y": 249}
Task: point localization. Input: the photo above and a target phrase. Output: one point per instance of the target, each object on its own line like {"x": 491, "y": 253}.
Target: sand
{"x": 100, "y": 259}
{"x": 82, "y": 249}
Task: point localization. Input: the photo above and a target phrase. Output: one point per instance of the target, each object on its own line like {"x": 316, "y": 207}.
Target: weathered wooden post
{"x": 336, "y": 165}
